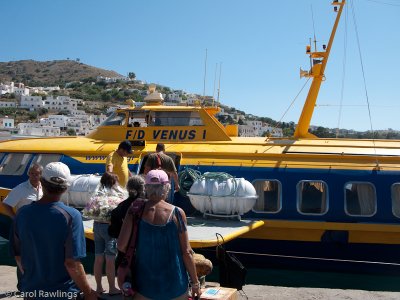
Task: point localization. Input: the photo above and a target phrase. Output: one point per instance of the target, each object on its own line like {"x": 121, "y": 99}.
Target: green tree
{"x": 71, "y": 132}
{"x": 89, "y": 79}
{"x": 166, "y": 90}
{"x": 287, "y": 132}
{"x": 32, "y": 115}
{"x": 131, "y": 75}
{"x": 56, "y": 93}
{"x": 42, "y": 111}
{"x": 106, "y": 96}
{"x": 7, "y": 110}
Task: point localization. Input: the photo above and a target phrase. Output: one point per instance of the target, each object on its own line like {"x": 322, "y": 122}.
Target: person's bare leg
{"x": 98, "y": 272}
{"x": 110, "y": 272}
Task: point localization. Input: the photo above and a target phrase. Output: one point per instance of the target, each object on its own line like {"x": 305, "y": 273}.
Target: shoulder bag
{"x": 232, "y": 273}
{"x": 127, "y": 245}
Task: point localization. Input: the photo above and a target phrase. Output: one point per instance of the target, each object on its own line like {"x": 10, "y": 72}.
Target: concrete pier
{"x": 8, "y": 281}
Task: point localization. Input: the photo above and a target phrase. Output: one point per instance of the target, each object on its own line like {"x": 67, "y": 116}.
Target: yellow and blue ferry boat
{"x": 330, "y": 203}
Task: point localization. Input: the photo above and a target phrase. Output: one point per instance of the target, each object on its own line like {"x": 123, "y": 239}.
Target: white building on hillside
{"x": 246, "y": 131}
{"x": 51, "y": 88}
{"x": 60, "y": 121}
{"x": 112, "y": 109}
{"x": 8, "y": 104}
{"x": 113, "y": 79}
{"x": 21, "y": 90}
{"x": 192, "y": 99}
{"x": 258, "y": 128}
{"x": 60, "y": 103}
{"x": 78, "y": 113}
{"x": 174, "y": 97}
{"x": 271, "y": 131}
{"x": 256, "y": 124}
{"x": 32, "y": 102}
{"x": 5, "y": 88}
{"x": 6, "y": 122}
{"x": 96, "y": 120}
{"x": 11, "y": 88}
{"x": 44, "y": 90}
{"x": 37, "y": 129}
{"x": 81, "y": 127}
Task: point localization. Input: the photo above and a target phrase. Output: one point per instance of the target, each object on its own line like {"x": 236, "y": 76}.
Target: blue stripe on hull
{"x": 335, "y": 179}
{"x": 289, "y": 178}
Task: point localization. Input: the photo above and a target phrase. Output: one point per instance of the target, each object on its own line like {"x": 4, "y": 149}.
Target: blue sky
{"x": 260, "y": 43}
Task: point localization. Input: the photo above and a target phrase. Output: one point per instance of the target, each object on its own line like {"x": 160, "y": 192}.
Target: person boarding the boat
{"x": 117, "y": 162}
{"x": 48, "y": 242}
{"x": 104, "y": 244}
{"x": 164, "y": 258}
{"x": 160, "y": 160}
{"x": 24, "y": 193}
{"x": 135, "y": 188}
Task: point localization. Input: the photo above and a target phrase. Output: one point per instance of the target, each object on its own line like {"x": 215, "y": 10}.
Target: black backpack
{"x": 232, "y": 273}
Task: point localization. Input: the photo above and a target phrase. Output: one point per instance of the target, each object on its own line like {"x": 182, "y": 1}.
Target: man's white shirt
{"x": 23, "y": 194}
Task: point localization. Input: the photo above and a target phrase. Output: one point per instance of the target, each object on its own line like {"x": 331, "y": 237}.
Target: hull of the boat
{"x": 333, "y": 239}
{"x": 314, "y": 256}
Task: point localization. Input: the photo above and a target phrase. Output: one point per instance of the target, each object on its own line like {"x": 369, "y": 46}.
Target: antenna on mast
{"x": 313, "y": 24}
{"x": 219, "y": 81}
{"x": 205, "y": 75}
{"x": 215, "y": 79}
{"x": 319, "y": 61}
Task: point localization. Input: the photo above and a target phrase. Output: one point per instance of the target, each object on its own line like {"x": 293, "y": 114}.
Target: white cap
{"x": 57, "y": 173}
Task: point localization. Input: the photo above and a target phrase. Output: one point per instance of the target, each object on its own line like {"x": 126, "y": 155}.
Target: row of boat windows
{"x": 15, "y": 163}
{"x": 155, "y": 118}
{"x": 312, "y": 197}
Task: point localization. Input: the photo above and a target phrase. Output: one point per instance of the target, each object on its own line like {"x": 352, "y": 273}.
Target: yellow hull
{"x": 313, "y": 232}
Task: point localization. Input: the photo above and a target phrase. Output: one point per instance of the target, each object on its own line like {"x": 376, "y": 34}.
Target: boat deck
{"x": 202, "y": 232}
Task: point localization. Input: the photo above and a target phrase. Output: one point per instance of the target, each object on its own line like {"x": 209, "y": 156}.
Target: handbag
{"x": 232, "y": 273}
{"x": 127, "y": 247}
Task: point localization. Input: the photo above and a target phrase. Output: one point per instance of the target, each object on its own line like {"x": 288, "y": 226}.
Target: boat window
{"x": 396, "y": 199}
{"x": 44, "y": 159}
{"x": 360, "y": 199}
{"x": 269, "y": 196}
{"x": 176, "y": 118}
{"x": 114, "y": 119}
{"x": 1, "y": 156}
{"x": 312, "y": 197}
{"x": 14, "y": 164}
{"x": 138, "y": 119}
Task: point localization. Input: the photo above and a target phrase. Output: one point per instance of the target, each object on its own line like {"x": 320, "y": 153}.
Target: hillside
{"x": 38, "y": 73}
{"x": 59, "y": 72}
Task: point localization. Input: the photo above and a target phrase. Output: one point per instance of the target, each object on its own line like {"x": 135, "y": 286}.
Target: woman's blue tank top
{"x": 159, "y": 269}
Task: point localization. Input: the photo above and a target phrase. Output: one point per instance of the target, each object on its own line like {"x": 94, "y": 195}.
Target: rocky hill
{"x": 59, "y": 72}
{"x": 38, "y": 73}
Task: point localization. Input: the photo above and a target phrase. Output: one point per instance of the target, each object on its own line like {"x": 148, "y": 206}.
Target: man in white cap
{"x": 48, "y": 241}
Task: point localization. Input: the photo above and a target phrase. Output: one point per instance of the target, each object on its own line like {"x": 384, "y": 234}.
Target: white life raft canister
{"x": 81, "y": 189}
{"x": 233, "y": 196}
